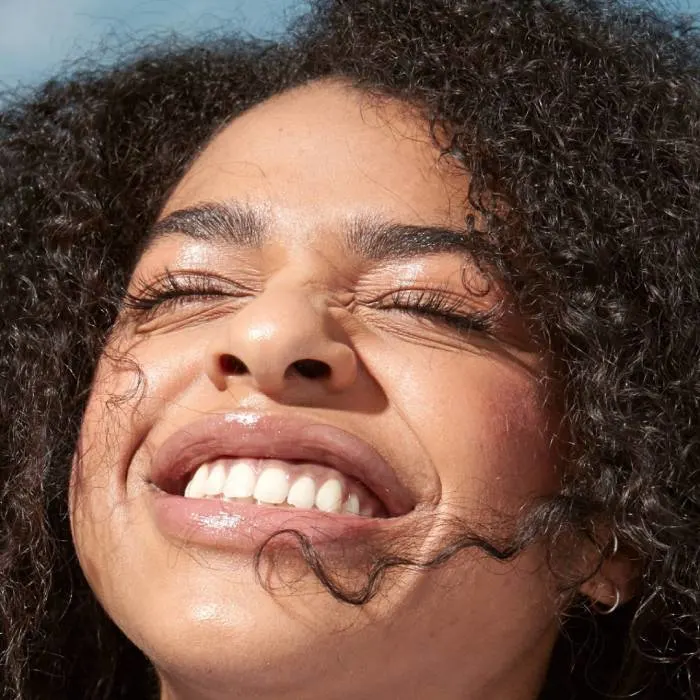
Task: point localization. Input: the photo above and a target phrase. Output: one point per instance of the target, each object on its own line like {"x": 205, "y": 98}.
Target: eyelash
{"x": 172, "y": 291}
{"x": 440, "y": 306}
{"x": 437, "y": 305}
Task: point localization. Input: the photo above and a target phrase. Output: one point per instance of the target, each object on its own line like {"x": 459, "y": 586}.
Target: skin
{"x": 460, "y": 417}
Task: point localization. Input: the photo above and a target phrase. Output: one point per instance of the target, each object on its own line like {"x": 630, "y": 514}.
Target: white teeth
{"x": 195, "y": 489}
{"x": 272, "y": 486}
{"x": 217, "y": 479}
{"x": 303, "y": 493}
{"x": 239, "y": 479}
{"x": 352, "y": 505}
{"x": 240, "y": 482}
{"x": 330, "y": 496}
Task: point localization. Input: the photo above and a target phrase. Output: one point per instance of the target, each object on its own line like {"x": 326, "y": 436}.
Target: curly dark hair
{"x": 582, "y": 115}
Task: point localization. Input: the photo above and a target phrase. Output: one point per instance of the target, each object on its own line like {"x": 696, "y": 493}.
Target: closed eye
{"x": 177, "y": 289}
{"x": 440, "y": 306}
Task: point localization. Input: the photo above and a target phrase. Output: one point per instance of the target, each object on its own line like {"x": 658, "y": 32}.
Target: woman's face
{"x": 307, "y": 337}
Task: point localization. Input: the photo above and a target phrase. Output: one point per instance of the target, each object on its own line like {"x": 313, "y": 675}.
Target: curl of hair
{"x": 582, "y": 115}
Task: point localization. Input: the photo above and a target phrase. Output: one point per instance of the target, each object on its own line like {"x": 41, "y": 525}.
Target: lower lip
{"x": 220, "y": 524}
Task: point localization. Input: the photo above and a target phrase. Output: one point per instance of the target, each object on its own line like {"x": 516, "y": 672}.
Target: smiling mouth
{"x": 282, "y": 483}
{"x": 284, "y": 463}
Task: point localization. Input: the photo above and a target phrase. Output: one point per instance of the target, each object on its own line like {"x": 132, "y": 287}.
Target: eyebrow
{"x": 370, "y": 237}
{"x": 229, "y": 222}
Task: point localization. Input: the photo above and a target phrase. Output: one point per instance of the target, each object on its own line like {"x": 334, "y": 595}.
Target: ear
{"x": 614, "y": 582}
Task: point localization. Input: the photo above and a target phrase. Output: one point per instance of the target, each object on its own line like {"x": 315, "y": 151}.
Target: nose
{"x": 279, "y": 340}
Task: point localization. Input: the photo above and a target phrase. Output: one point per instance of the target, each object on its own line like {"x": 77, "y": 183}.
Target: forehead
{"x": 326, "y": 151}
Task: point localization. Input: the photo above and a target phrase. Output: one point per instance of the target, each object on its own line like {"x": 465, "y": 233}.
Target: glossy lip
{"x": 230, "y": 525}
{"x": 240, "y": 434}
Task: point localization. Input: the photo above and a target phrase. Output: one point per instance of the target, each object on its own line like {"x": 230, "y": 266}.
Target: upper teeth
{"x": 277, "y": 482}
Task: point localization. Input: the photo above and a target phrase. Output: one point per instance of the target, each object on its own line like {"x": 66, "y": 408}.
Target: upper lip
{"x": 238, "y": 434}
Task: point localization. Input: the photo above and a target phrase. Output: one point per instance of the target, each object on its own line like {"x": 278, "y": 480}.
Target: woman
{"x": 363, "y": 364}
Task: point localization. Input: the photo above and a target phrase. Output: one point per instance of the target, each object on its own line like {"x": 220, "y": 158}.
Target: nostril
{"x": 312, "y": 369}
{"x": 231, "y": 365}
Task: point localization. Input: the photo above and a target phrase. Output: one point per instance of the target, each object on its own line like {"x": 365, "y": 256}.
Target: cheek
{"x": 133, "y": 385}
{"x": 483, "y": 424}
{"x": 132, "y": 388}
{"x": 156, "y": 370}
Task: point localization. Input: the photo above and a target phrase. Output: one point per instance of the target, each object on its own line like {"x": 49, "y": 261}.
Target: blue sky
{"x": 37, "y": 36}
